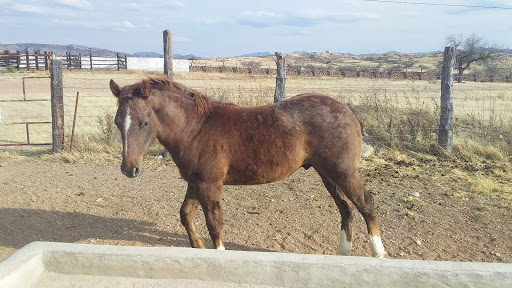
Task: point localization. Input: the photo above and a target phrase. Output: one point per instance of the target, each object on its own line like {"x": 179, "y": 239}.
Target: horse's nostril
{"x": 135, "y": 172}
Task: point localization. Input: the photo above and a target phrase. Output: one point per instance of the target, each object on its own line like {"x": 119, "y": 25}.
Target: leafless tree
{"x": 251, "y": 64}
{"x": 472, "y": 49}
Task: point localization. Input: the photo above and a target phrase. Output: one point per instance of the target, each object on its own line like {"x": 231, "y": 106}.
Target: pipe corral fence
{"x": 41, "y": 61}
{"x": 42, "y": 117}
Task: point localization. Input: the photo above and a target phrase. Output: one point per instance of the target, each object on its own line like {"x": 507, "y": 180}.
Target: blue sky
{"x": 229, "y": 28}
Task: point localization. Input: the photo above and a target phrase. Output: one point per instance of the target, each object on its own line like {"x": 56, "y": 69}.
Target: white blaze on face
{"x": 127, "y": 124}
{"x": 377, "y": 247}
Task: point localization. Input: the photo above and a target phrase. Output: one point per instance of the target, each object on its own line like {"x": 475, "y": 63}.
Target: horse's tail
{"x": 357, "y": 112}
{"x": 366, "y": 150}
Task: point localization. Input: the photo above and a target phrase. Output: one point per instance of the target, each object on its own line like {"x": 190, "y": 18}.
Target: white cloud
{"x": 205, "y": 20}
{"x": 493, "y": 3}
{"x": 122, "y": 26}
{"x": 263, "y": 19}
{"x": 176, "y": 3}
{"x": 132, "y": 6}
{"x": 260, "y": 19}
{"x": 264, "y": 14}
{"x": 28, "y": 8}
{"x": 325, "y": 15}
{"x": 81, "y": 4}
{"x": 181, "y": 39}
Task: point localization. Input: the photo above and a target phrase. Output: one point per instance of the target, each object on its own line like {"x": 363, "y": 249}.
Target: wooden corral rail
{"x": 25, "y": 61}
{"x": 118, "y": 62}
{"x": 20, "y": 61}
{"x": 73, "y": 61}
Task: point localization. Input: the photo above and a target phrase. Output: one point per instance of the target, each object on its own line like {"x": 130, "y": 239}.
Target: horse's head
{"x": 136, "y": 122}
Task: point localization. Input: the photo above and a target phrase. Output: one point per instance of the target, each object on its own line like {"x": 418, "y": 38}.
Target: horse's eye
{"x": 143, "y": 124}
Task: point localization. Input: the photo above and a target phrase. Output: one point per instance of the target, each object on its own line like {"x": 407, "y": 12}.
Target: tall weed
{"x": 398, "y": 121}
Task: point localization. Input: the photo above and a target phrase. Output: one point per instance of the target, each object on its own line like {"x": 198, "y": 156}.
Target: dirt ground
{"x": 95, "y": 203}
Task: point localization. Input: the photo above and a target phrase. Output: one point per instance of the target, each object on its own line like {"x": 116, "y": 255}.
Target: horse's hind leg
{"x": 345, "y": 208}
{"x": 187, "y": 212}
{"x": 352, "y": 185}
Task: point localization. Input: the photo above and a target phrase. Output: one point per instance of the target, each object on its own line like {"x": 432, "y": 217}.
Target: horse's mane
{"x": 202, "y": 102}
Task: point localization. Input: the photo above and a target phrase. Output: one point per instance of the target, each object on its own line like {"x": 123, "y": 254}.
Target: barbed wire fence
{"x": 400, "y": 113}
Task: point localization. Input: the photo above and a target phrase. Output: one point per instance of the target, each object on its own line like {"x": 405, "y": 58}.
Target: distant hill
{"x": 147, "y": 55}
{"x": 261, "y": 54}
{"x": 187, "y": 56}
{"x": 158, "y": 55}
{"x": 256, "y": 54}
{"x": 61, "y": 50}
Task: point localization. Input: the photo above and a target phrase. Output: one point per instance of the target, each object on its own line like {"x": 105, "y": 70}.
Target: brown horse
{"x": 215, "y": 144}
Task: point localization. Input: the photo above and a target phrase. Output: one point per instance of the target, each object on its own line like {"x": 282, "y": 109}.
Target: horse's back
{"x": 333, "y": 132}
{"x": 321, "y": 114}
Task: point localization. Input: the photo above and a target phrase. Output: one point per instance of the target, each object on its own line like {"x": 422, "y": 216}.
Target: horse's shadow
{"x": 19, "y": 227}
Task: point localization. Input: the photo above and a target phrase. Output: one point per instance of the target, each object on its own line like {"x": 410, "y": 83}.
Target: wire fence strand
{"x": 394, "y": 112}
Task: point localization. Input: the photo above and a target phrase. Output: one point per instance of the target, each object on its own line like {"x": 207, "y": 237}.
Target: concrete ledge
{"x": 44, "y": 264}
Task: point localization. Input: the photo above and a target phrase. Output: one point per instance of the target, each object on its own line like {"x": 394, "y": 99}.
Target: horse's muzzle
{"x": 131, "y": 172}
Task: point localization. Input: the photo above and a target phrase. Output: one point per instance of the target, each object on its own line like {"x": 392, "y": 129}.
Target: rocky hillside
{"x": 60, "y": 50}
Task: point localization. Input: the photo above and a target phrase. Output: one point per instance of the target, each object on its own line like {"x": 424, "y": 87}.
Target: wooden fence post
{"x": 46, "y": 60}
{"x": 445, "y": 137}
{"x": 280, "y": 78}
{"x": 27, "y": 60}
{"x": 168, "y": 69}
{"x": 57, "y": 102}
{"x": 18, "y": 60}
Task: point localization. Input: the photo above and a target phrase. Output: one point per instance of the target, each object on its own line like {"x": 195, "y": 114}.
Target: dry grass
{"x": 411, "y": 62}
{"x": 401, "y": 118}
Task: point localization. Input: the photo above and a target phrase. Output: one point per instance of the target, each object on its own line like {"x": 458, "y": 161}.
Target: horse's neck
{"x": 178, "y": 123}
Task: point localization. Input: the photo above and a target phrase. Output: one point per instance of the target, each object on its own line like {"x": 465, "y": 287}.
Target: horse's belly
{"x": 252, "y": 175}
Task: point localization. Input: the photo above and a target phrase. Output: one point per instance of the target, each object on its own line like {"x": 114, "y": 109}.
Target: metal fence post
{"x": 57, "y": 103}
{"x": 280, "y": 78}
{"x": 445, "y": 136}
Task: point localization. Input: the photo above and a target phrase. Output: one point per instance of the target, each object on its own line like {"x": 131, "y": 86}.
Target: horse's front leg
{"x": 210, "y": 197}
{"x": 187, "y": 212}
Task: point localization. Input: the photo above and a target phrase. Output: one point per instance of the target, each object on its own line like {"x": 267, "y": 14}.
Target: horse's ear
{"x": 115, "y": 88}
{"x": 145, "y": 89}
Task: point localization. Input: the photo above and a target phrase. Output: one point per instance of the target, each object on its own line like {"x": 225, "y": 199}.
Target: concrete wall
{"x": 44, "y": 264}
{"x": 156, "y": 64}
